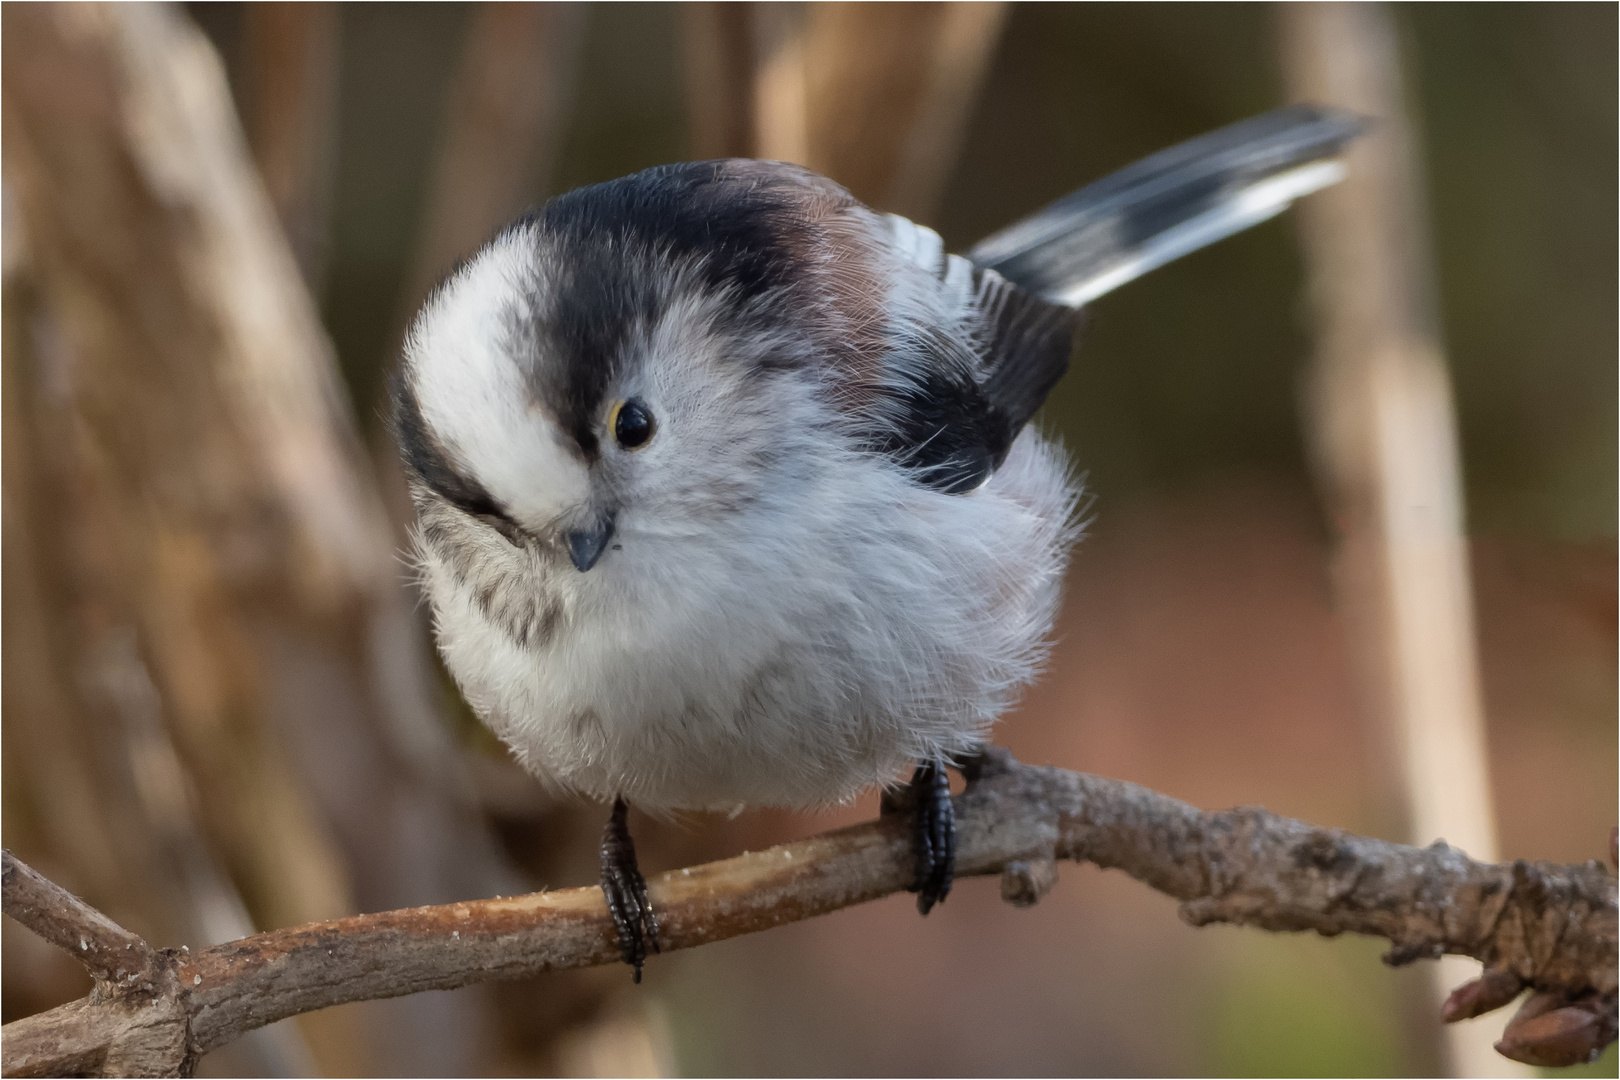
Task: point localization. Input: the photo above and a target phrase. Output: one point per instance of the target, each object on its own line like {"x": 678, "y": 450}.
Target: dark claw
{"x": 626, "y": 892}
{"x": 933, "y": 834}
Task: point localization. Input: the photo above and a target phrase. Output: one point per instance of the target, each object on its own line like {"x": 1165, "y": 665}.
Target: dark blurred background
{"x": 1199, "y": 653}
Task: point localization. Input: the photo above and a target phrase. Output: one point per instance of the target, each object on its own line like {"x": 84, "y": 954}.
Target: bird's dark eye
{"x": 632, "y": 424}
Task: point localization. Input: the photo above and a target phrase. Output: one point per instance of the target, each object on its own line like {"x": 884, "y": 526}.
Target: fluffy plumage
{"x": 840, "y": 550}
{"x": 790, "y": 610}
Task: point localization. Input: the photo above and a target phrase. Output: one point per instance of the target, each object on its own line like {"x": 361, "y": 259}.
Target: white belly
{"x": 799, "y": 653}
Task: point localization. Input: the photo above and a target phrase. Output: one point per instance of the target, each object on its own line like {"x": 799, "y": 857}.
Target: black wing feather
{"x": 953, "y": 423}
{"x": 1030, "y": 277}
{"x": 1026, "y": 343}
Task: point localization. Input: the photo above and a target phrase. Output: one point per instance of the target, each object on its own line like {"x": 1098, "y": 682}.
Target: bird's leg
{"x": 626, "y": 891}
{"x": 933, "y": 823}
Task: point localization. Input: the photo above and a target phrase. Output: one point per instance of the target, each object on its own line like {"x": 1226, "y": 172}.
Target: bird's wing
{"x": 969, "y": 357}
{"x": 1017, "y": 295}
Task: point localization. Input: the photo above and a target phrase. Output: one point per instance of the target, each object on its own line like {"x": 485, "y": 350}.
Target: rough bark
{"x": 1549, "y": 928}
{"x": 219, "y": 706}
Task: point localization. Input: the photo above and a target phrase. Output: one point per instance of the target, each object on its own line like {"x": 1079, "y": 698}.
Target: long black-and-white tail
{"x": 1022, "y": 288}
{"x": 1171, "y": 204}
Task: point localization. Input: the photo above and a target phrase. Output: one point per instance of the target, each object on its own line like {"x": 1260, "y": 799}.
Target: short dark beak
{"x": 585, "y": 546}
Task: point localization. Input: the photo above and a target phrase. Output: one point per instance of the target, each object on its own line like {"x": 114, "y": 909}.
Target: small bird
{"x": 726, "y": 488}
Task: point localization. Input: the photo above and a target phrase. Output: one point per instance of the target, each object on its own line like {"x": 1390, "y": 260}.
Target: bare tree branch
{"x": 1549, "y": 928}
{"x": 133, "y": 1023}
{"x": 108, "y": 952}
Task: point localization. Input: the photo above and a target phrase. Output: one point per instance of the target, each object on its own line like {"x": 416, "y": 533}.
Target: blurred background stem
{"x": 290, "y": 71}
{"x": 1381, "y": 424}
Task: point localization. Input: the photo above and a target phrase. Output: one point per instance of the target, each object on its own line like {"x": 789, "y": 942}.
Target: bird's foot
{"x": 626, "y": 892}
{"x": 933, "y": 836}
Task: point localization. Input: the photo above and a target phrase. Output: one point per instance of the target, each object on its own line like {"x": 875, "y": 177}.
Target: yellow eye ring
{"x": 631, "y": 424}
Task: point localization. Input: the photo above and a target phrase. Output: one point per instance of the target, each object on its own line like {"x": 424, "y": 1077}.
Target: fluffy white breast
{"x": 813, "y": 645}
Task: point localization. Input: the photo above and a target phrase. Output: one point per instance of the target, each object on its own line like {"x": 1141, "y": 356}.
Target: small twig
{"x": 1549, "y": 928}
{"x": 111, "y": 954}
{"x": 133, "y": 1023}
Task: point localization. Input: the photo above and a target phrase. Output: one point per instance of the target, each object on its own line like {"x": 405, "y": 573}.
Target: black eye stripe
{"x": 427, "y": 458}
{"x": 481, "y": 507}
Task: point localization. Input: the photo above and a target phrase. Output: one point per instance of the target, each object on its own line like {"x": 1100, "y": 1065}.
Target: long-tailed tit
{"x": 726, "y": 488}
